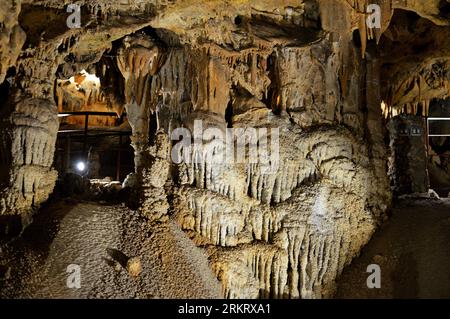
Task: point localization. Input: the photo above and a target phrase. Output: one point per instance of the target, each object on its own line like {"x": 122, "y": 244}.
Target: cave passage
{"x": 93, "y": 144}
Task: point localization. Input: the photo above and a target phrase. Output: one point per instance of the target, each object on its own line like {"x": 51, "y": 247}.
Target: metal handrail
{"x": 86, "y": 135}
{"x": 94, "y": 113}
{"x": 436, "y": 119}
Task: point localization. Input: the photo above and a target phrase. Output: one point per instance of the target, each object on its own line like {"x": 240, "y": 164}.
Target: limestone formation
{"x": 29, "y": 127}
{"x": 312, "y": 78}
{"x": 408, "y": 166}
{"x": 12, "y": 37}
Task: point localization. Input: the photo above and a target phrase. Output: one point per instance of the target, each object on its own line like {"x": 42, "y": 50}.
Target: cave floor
{"x": 93, "y": 235}
{"x": 412, "y": 250}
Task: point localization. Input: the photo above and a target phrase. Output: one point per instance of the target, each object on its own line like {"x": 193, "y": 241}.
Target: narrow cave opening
{"x": 6, "y": 85}
{"x": 229, "y": 114}
{"x": 93, "y": 142}
{"x": 444, "y": 8}
{"x": 272, "y": 97}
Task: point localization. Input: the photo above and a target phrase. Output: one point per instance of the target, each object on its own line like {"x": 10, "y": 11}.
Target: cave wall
{"x": 28, "y": 127}
{"x": 316, "y": 75}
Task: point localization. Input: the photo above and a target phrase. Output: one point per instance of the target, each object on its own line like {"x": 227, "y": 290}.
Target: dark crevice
{"x": 229, "y": 114}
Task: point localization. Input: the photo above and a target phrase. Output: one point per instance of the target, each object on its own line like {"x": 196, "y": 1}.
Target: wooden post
{"x": 86, "y": 126}
{"x": 118, "y": 158}
{"x": 427, "y": 137}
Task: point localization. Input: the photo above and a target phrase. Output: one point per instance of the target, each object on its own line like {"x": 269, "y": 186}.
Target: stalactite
{"x": 363, "y": 33}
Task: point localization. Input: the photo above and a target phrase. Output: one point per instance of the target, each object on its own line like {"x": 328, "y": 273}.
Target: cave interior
{"x": 356, "y": 117}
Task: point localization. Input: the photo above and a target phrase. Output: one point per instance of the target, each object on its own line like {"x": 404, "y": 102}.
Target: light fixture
{"x": 81, "y": 166}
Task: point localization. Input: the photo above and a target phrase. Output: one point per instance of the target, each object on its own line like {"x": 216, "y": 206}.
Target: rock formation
{"x": 308, "y": 76}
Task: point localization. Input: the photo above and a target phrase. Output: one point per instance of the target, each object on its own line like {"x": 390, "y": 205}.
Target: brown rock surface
{"x": 313, "y": 70}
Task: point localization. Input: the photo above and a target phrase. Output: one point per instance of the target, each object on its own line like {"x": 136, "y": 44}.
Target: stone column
{"x": 375, "y": 129}
{"x": 28, "y": 130}
{"x": 138, "y": 60}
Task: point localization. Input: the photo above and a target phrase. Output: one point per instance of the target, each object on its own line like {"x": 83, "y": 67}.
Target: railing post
{"x": 427, "y": 137}
{"x": 67, "y": 154}
{"x": 86, "y": 125}
{"x": 118, "y": 158}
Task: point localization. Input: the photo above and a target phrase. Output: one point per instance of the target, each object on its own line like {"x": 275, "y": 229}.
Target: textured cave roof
{"x": 409, "y": 48}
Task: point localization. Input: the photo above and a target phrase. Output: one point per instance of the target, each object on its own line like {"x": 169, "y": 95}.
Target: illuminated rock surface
{"x": 313, "y": 70}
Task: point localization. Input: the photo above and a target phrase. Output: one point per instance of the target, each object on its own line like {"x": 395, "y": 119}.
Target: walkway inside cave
{"x": 98, "y": 237}
{"x": 412, "y": 250}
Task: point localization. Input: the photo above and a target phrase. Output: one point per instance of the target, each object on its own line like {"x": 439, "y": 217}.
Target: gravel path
{"x": 412, "y": 250}
{"x": 97, "y": 238}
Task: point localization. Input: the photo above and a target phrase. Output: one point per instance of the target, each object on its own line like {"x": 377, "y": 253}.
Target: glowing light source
{"x": 81, "y": 166}
{"x": 384, "y": 109}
